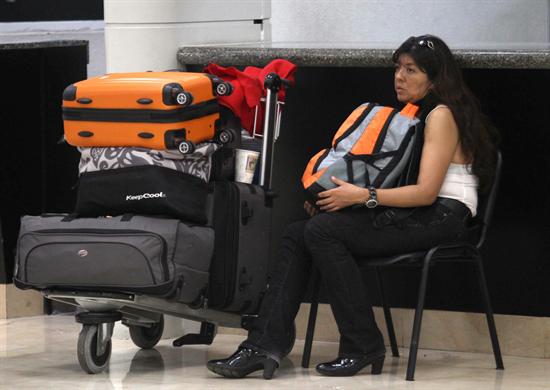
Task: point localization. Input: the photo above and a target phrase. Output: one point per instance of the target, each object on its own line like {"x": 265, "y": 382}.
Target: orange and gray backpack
{"x": 373, "y": 147}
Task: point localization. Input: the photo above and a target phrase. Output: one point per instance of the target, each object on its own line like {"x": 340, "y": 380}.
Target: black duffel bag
{"x": 135, "y": 254}
{"x": 148, "y": 189}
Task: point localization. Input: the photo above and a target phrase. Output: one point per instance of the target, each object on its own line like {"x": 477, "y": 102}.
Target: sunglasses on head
{"x": 426, "y": 43}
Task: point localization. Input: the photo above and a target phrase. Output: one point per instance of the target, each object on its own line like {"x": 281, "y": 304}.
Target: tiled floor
{"x": 40, "y": 352}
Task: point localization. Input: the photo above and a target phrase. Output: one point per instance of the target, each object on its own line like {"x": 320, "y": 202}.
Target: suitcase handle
{"x": 272, "y": 83}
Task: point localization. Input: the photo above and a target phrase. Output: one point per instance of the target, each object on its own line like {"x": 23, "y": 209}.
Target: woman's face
{"x": 410, "y": 82}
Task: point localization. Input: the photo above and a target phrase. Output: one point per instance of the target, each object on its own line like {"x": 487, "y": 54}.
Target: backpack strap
{"x": 410, "y": 110}
{"x": 368, "y": 159}
{"x": 378, "y": 125}
{"x": 352, "y": 122}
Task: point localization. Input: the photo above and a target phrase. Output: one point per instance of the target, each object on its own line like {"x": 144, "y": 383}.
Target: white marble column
{"x": 145, "y": 34}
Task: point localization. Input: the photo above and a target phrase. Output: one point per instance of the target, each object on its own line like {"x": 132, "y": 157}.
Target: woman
{"x": 457, "y": 157}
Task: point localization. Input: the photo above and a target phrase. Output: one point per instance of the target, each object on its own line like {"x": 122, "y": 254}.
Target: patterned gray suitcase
{"x": 197, "y": 163}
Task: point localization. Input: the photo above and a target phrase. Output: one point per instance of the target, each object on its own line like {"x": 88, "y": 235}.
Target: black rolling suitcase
{"x": 242, "y": 226}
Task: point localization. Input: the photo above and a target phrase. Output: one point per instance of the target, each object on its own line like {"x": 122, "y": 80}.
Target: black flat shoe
{"x": 343, "y": 366}
{"x": 243, "y": 362}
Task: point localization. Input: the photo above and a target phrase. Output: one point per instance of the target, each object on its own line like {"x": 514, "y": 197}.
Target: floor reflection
{"x": 146, "y": 362}
{"x": 40, "y": 353}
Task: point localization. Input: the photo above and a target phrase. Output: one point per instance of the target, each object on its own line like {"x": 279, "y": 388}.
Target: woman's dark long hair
{"x": 478, "y": 138}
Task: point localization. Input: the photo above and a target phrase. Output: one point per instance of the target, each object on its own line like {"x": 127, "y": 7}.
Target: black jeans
{"x": 330, "y": 241}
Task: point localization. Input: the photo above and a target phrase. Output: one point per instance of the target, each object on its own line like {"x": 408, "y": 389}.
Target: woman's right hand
{"x": 310, "y": 209}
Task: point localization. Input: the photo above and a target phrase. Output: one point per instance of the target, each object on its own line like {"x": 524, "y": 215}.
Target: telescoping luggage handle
{"x": 272, "y": 83}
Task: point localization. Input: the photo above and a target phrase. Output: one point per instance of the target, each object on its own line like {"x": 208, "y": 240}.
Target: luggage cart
{"x": 143, "y": 314}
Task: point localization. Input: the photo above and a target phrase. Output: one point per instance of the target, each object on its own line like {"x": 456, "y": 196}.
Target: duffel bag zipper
{"x": 87, "y": 242}
{"x": 121, "y": 232}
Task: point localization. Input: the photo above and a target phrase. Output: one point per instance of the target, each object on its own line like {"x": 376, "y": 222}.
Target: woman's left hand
{"x": 344, "y": 195}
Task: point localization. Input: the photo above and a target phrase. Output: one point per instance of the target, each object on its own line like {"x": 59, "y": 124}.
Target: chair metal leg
{"x": 411, "y": 365}
{"x": 387, "y": 313}
{"x": 312, "y": 318}
{"x": 489, "y": 313}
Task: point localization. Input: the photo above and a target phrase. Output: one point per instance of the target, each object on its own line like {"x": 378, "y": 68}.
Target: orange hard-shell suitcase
{"x": 157, "y": 110}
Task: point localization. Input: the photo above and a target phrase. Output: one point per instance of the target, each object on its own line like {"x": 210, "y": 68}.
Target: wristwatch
{"x": 372, "y": 201}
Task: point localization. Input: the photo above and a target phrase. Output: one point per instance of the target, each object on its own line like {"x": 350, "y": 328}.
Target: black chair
{"x": 468, "y": 251}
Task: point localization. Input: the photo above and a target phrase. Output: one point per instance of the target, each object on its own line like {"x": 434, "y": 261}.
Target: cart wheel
{"x": 293, "y": 338}
{"x": 225, "y": 136}
{"x": 186, "y": 147}
{"x": 147, "y": 337}
{"x": 88, "y": 358}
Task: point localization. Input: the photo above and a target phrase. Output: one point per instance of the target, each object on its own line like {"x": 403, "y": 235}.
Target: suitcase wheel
{"x": 183, "y": 98}
{"x": 186, "y": 147}
{"x": 226, "y": 136}
{"x": 224, "y": 89}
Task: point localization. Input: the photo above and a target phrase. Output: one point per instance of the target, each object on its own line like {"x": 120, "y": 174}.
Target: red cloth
{"x": 248, "y": 89}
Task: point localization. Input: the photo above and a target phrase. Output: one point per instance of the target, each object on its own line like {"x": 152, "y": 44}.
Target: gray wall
{"x": 92, "y": 31}
{"x": 462, "y": 23}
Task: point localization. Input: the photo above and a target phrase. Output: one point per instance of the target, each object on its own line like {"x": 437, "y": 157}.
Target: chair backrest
{"x": 486, "y": 205}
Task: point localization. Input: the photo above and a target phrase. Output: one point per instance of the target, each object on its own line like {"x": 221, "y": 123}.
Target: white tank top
{"x": 459, "y": 183}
